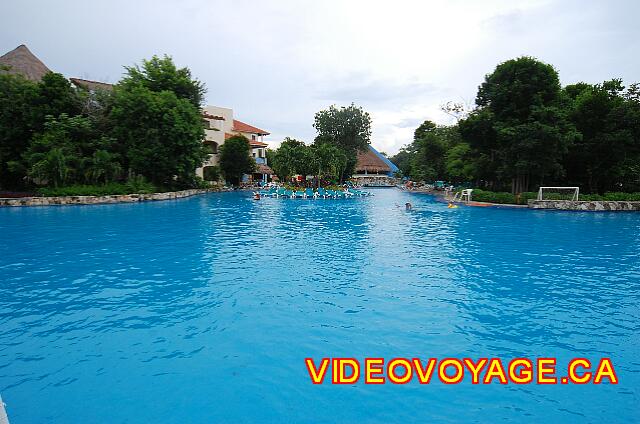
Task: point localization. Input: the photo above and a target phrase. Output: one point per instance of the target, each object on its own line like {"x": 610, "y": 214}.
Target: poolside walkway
{"x": 3, "y": 413}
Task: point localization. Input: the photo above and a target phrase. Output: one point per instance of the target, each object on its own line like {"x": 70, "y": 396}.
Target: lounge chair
{"x": 331, "y": 193}
{"x": 309, "y": 193}
{"x": 299, "y": 194}
{"x": 358, "y": 192}
{"x": 268, "y": 193}
{"x": 321, "y": 192}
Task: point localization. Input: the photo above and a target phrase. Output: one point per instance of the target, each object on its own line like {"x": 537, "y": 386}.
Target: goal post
{"x": 559, "y": 193}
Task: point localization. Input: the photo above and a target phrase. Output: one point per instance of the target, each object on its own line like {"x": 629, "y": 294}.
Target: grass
{"x": 99, "y": 190}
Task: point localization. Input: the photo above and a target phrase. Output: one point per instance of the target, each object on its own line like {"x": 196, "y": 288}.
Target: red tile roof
{"x": 246, "y": 128}
{"x": 252, "y": 143}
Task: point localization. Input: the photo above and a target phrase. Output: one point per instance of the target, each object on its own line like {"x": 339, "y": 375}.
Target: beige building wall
{"x": 214, "y": 133}
{"x": 219, "y": 124}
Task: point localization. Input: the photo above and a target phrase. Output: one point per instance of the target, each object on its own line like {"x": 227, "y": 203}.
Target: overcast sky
{"x": 276, "y": 63}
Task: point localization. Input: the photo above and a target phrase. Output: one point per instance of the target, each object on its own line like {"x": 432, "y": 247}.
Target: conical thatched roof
{"x": 21, "y": 61}
{"x": 370, "y": 162}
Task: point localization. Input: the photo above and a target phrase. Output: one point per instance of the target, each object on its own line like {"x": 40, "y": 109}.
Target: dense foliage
{"x": 294, "y": 157}
{"x": 134, "y": 185}
{"x": 346, "y": 128}
{"x": 527, "y": 131}
{"x": 148, "y": 128}
{"x": 341, "y": 133}
{"x": 235, "y": 158}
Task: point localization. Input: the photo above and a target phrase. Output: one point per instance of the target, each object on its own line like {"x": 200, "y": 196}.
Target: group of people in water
{"x": 407, "y": 206}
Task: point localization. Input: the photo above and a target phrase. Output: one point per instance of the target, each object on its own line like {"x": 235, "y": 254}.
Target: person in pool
{"x": 408, "y": 206}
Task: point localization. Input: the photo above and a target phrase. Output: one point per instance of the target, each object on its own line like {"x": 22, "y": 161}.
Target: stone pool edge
{"x": 99, "y": 200}
{"x": 560, "y": 205}
{"x": 585, "y": 205}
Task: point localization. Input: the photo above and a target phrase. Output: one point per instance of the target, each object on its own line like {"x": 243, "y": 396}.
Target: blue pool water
{"x": 203, "y": 309}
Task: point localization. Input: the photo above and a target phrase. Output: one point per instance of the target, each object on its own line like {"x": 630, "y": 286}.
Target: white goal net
{"x": 558, "y": 193}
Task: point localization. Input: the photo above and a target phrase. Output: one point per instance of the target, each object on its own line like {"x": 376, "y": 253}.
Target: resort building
{"x": 373, "y": 169}
{"x": 219, "y": 122}
{"x": 220, "y": 125}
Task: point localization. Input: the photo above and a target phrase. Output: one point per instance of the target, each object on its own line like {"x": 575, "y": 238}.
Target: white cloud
{"x": 278, "y": 62}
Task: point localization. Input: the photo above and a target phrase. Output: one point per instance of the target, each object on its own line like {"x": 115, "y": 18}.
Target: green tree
{"x": 24, "y": 106}
{"x": 56, "y": 95}
{"x": 103, "y": 167}
{"x": 404, "y": 159}
{"x": 160, "y": 136}
{"x": 292, "y": 157}
{"x": 531, "y": 128}
{"x": 235, "y": 158}
{"x": 17, "y": 97}
{"x": 161, "y": 74}
{"x": 329, "y": 160}
{"x": 348, "y": 128}
{"x": 478, "y": 132}
{"x": 211, "y": 173}
{"x": 65, "y": 151}
{"x": 51, "y": 166}
{"x": 432, "y": 143}
{"x": 460, "y": 163}
{"x": 605, "y": 158}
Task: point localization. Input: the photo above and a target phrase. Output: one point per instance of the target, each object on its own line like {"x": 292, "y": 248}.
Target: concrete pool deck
{"x": 3, "y": 413}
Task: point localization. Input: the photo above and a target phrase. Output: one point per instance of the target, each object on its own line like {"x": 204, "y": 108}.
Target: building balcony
{"x": 261, "y": 161}
{"x": 213, "y": 135}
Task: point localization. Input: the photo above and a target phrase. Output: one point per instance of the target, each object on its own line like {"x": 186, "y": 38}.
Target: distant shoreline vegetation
{"x": 145, "y": 135}
{"x": 526, "y": 131}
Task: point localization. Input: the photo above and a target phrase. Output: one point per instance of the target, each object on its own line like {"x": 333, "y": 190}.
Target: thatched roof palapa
{"x": 369, "y": 162}
{"x": 91, "y": 85}
{"x": 22, "y": 62}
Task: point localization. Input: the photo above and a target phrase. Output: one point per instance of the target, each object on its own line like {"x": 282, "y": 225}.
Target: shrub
{"x": 508, "y": 198}
{"x": 211, "y": 173}
{"x": 612, "y": 196}
{"x": 502, "y": 197}
{"x": 492, "y": 197}
{"x": 135, "y": 185}
{"x": 139, "y": 184}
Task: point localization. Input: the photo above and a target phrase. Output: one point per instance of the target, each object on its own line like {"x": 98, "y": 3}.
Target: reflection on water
{"x": 203, "y": 309}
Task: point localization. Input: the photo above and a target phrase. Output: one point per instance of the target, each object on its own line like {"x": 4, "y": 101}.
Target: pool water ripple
{"x": 203, "y": 309}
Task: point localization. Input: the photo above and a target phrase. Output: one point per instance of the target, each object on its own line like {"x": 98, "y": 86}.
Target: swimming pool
{"x": 203, "y": 309}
